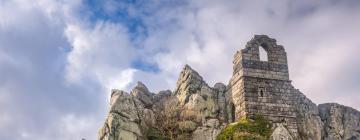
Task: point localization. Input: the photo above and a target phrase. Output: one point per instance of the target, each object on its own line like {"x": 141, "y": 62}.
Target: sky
{"x": 59, "y": 59}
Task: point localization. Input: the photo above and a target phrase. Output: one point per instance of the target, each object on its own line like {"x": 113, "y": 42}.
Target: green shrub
{"x": 257, "y": 128}
{"x": 153, "y": 134}
{"x": 187, "y": 126}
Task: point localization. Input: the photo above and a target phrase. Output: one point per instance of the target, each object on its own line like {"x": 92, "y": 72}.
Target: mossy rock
{"x": 257, "y": 128}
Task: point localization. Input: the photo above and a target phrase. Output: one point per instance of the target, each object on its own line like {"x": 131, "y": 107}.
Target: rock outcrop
{"x": 280, "y": 133}
{"x": 195, "y": 110}
{"x": 123, "y": 121}
{"x": 340, "y": 122}
{"x": 201, "y": 104}
{"x": 142, "y": 93}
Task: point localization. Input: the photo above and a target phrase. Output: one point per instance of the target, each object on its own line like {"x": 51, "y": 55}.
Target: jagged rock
{"x": 161, "y": 95}
{"x": 308, "y": 120}
{"x": 220, "y": 87}
{"x": 142, "y": 93}
{"x": 123, "y": 119}
{"x": 143, "y": 108}
{"x": 280, "y": 133}
{"x": 159, "y": 100}
{"x": 200, "y": 103}
{"x": 224, "y": 103}
{"x": 188, "y": 83}
{"x": 340, "y": 122}
{"x": 195, "y": 95}
{"x": 124, "y": 105}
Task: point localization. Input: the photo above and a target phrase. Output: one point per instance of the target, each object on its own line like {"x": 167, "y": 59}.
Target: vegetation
{"x": 257, "y": 128}
{"x": 154, "y": 134}
{"x": 167, "y": 120}
{"x": 169, "y": 125}
{"x": 187, "y": 126}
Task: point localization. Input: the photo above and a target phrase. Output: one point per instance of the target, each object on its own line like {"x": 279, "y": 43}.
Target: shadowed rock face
{"x": 256, "y": 87}
{"x": 124, "y": 118}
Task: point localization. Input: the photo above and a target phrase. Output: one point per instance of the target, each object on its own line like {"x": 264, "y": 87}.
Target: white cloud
{"x": 103, "y": 53}
{"x": 118, "y": 81}
{"x": 33, "y": 97}
{"x": 68, "y": 127}
{"x": 77, "y": 127}
{"x": 5, "y": 120}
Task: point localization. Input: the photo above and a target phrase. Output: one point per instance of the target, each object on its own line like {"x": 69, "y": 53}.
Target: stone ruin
{"x": 263, "y": 87}
{"x": 256, "y": 88}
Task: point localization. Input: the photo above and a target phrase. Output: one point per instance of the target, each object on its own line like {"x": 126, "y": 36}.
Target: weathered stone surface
{"x": 256, "y": 87}
{"x": 159, "y": 100}
{"x": 280, "y": 133}
{"x": 224, "y": 103}
{"x": 189, "y": 82}
{"x": 201, "y": 104}
{"x": 148, "y": 117}
{"x": 340, "y": 122}
{"x": 123, "y": 121}
{"x": 142, "y": 93}
{"x": 124, "y": 105}
{"x": 161, "y": 96}
{"x": 308, "y": 120}
{"x": 207, "y": 132}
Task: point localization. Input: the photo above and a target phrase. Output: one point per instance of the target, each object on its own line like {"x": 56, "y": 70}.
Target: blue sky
{"x": 59, "y": 59}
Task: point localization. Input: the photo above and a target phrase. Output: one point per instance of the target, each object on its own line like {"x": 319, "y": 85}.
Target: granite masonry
{"x": 199, "y": 111}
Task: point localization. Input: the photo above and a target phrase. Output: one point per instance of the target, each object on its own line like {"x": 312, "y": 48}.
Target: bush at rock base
{"x": 257, "y": 128}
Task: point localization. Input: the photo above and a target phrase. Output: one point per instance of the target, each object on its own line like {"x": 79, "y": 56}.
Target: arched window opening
{"x": 261, "y": 92}
{"x": 263, "y": 54}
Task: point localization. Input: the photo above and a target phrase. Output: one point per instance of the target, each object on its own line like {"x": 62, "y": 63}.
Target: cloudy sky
{"x": 60, "y": 58}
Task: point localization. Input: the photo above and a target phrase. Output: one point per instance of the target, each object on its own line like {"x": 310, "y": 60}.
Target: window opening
{"x": 261, "y": 91}
{"x": 263, "y": 54}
